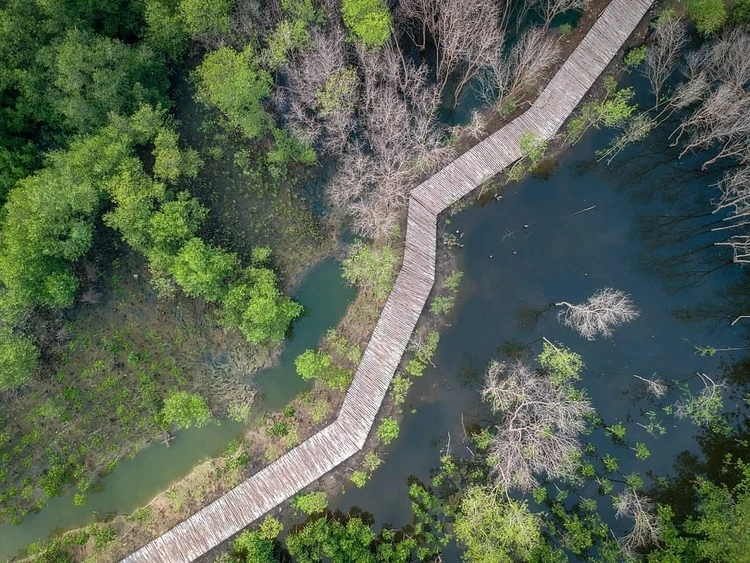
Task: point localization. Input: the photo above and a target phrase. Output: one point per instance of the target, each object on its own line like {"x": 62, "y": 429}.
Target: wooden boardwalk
{"x": 339, "y": 441}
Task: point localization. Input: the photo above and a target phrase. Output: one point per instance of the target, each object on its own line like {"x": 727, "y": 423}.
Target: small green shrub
{"x": 360, "y": 478}
{"x": 270, "y": 528}
{"x": 441, "y": 304}
{"x": 415, "y": 368}
{"x": 641, "y": 451}
{"x": 371, "y": 269}
{"x": 635, "y": 57}
{"x": 310, "y": 503}
{"x": 617, "y": 431}
{"x": 388, "y": 430}
{"x": 371, "y": 462}
{"x": 279, "y": 428}
{"x": 399, "y": 388}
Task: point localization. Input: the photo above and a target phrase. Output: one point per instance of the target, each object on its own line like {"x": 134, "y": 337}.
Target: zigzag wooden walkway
{"x": 336, "y": 443}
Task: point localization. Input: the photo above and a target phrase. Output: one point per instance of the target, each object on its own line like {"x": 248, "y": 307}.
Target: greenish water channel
{"x": 134, "y": 482}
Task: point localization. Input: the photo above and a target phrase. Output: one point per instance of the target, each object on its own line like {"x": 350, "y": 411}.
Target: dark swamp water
{"x": 641, "y": 225}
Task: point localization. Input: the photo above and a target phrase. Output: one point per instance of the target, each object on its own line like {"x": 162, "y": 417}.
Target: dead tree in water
{"x": 735, "y": 197}
{"x": 717, "y": 75}
{"x": 507, "y": 77}
{"x": 540, "y": 426}
{"x": 646, "y": 523}
{"x": 465, "y": 32}
{"x": 670, "y": 36}
{"x": 599, "y": 314}
{"x": 550, "y": 9}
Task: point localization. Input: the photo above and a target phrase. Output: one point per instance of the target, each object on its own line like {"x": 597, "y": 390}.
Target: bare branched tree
{"x": 507, "y": 77}
{"x": 475, "y": 129}
{"x": 540, "y": 426}
{"x": 605, "y": 310}
{"x": 398, "y": 139}
{"x": 417, "y": 18}
{"x": 657, "y": 387}
{"x": 465, "y": 32}
{"x": 646, "y": 524}
{"x": 735, "y": 198}
{"x": 669, "y": 37}
{"x": 717, "y": 77}
{"x": 321, "y": 93}
{"x": 550, "y": 9}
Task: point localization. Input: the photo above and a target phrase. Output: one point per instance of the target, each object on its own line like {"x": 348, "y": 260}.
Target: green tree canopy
{"x": 185, "y": 410}
{"x": 252, "y": 547}
{"x": 171, "y": 162}
{"x": 135, "y": 196}
{"x": 258, "y": 309}
{"x": 709, "y": 15}
{"x": 369, "y": 21}
{"x": 202, "y": 270}
{"x": 232, "y": 83}
{"x": 165, "y": 32}
{"x": 312, "y": 364}
{"x": 329, "y": 540}
{"x": 721, "y": 525}
{"x": 177, "y": 222}
{"x": 495, "y": 528}
{"x": 49, "y": 222}
{"x": 205, "y": 16}
{"x": 94, "y": 76}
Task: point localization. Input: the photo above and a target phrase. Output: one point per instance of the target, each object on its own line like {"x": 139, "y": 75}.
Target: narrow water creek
{"x": 134, "y": 482}
{"x": 641, "y": 225}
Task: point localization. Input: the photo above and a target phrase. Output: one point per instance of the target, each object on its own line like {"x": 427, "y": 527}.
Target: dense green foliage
{"x": 561, "y": 363}
{"x": 200, "y": 17}
{"x": 66, "y": 65}
{"x": 185, "y": 410}
{"x": 388, "y": 430}
{"x": 720, "y": 524}
{"x": 369, "y": 21}
{"x": 312, "y": 364}
{"x": 709, "y": 15}
{"x": 94, "y": 76}
{"x": 255, "y": 305}
{"x": 741, "y": 12}
{"x": 233, "y": 83}
{"x": 202, "y": 270}
{"x": 91, "y": 157}
{"x": 496, "y": 529}
{"x": 371, "y": 268}
{"x": 331, "y": 540}
{"x": 311, "y": 503}
{"x": 49, "y": 222}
